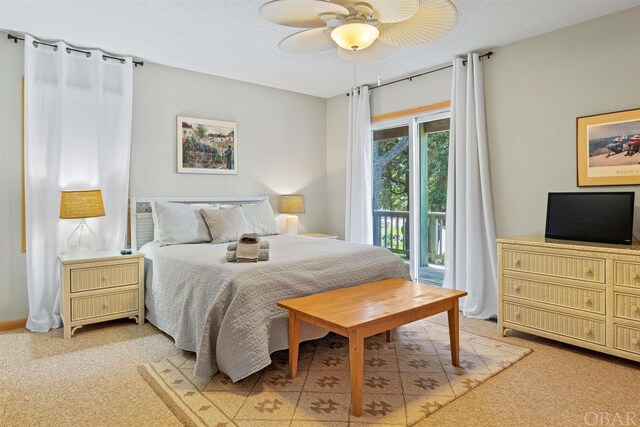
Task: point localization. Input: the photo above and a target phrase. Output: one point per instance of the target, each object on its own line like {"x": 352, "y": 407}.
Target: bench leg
{"x": 390, "y": 335}
{"x": 356, "y": 363}
{"x": 294, "y": 343}
{"x": 454, "y": 333}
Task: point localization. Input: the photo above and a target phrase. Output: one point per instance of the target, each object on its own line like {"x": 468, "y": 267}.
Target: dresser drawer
{"x": 627, "y": 306}
{"x": 587, "y": 269}
{"x": 104, "y": 305}
{"x": 575, "y": 327}
{"x": 627, "y": 339}
{"x": 85, "y": 279}
{"x": 591, "y": 300}
{"x": 626, "y": 274}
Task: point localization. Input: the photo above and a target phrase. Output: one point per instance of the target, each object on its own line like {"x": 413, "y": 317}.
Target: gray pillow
{"x": 260, "y": 218}
{"x": 177, "y": 223}
{"x": 225, "y": 225}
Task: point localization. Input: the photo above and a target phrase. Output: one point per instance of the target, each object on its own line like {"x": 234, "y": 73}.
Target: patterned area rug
{"x": 404, "y": 381}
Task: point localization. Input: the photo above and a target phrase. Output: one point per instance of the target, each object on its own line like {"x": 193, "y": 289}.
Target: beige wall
{"x": 535, "y": 89}
{"x": 337, "y": 129}
{"x": 282, "y": 149}
{"x": 13, "y": 291}
{"x": 281, "y": 139}
{"x": 424, "y": 90}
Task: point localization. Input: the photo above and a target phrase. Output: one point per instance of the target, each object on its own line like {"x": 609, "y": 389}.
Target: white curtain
{"x": 359, "y": 221}
{"x": 471, "y": 238}
{"x": 77, "y": 136}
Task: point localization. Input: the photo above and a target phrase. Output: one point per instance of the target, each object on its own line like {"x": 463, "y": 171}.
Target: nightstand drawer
{"x": 627, "y": 339}
{"x": 587, "y": 299}
{"x": 627, "y": 306}
{"x": 570, "y": 267}
{"x": 626, "y": 274}
{"x": 558, "y": 323}
{"x": 85, "y": 279}
{"x": 104, "y": 305}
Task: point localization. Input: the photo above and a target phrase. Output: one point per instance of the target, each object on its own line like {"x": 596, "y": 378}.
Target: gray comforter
{"x": 226, "y": 312}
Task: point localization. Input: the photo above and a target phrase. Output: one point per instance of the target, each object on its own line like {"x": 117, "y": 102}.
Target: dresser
{"x": 585, "y": 294}
{"x": 100, "y": 286}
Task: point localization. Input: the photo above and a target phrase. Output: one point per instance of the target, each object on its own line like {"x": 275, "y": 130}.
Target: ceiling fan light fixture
{"x": 355, "y": 35}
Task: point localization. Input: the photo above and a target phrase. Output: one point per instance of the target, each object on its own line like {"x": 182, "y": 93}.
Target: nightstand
{"x": 100, "y": 286}
{"x": 321, "y": 236}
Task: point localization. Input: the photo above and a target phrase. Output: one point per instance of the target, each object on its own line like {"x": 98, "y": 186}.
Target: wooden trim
{"x": 13, "y": 324}
{"x": 412, "y": 111}
{"x": 24, "y": 218}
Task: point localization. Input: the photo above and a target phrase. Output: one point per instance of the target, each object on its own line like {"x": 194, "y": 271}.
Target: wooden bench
{"x": 369, "y": 309}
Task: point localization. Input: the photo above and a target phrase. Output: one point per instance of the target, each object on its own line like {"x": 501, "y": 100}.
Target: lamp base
{"x": 291, "y": 225}
{"x": 82, "y": 239}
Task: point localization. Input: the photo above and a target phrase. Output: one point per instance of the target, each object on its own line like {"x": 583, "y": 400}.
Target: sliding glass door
{"x": 391, "y": 180}
{"x": 434, "y": 162}
{"x": 410, "y": 159}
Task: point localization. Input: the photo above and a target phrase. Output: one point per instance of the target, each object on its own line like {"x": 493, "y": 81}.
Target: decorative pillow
{"x": 260, "y": 218}
{"x": 177, "y": 223}
{"x": 225, "y": 225}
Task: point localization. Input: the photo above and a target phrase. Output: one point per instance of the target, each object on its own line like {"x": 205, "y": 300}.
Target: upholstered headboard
{"x": 142, "y": 220}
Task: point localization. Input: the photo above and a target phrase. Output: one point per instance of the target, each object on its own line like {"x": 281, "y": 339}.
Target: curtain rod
{"x": 410, "y": 78}
{"x": 70, "y": 49}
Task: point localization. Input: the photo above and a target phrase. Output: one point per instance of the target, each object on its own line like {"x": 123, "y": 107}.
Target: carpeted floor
{"x": 404, "y": 381}
{"x": 92, "y": 379}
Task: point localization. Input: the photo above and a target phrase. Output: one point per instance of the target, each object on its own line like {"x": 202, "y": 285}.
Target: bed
{"x": 226, "y": 312}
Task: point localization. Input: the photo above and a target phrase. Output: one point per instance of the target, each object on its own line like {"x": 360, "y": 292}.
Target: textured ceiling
{"x": 227, "y": 37}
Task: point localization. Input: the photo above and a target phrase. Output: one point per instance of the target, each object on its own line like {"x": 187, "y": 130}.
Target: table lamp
{"x": 291, "y": 204}
{"x": 81, "y": 205}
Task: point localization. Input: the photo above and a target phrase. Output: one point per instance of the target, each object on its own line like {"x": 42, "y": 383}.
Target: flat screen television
{"x": 591, "y": 217}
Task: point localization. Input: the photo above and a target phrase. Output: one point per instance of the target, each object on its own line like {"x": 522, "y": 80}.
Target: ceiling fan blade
{"x": 433, "y": 19}
{"x": 300, "y": 13}
{"x": 377, "y": 50}
{"x": 387, "y": 11}
{"x": 308, "y": 41}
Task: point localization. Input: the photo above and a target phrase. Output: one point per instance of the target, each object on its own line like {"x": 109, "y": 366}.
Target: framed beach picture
{"x": 609, "y": 149}
{"x": 207, "y": 146}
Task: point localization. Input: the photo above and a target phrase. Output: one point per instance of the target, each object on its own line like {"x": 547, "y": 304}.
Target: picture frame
{"x": 608, "y": 149}
{"x": 205, "y": 146}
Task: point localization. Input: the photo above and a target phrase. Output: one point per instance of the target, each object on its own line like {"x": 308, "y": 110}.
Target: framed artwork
{"x": 207, "y": 146}
{"x": 608, "y": 148}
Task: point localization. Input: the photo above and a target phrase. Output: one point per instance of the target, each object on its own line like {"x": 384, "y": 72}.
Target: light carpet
{"x": 404, "y": 381}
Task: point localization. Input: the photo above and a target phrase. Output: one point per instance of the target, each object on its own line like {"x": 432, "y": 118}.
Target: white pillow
{"x": 260, "y": 218}
{"x": 225, "y": 225}
{"x": 177, "y": 223}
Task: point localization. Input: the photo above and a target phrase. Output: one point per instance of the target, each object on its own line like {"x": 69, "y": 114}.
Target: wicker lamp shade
{"x": 291, "y": 204}
{"x": 81, "y": 204}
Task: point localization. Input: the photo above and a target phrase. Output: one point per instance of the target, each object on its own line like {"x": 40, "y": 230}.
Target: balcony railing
{"x": 391, "y": 231}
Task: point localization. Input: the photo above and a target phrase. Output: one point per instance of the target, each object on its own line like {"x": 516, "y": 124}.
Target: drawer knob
{"x": 587, "y": 331}
{"x": 634, "y": 275}
{"x": 587, "y": 300}
{"x": 518, "y": 315}
{"x": 635, "y": 341}
{"x": 588, "y": 270}
{"x": 517, "y": 261}
{"x": 105, "y": 305}
{"x": 635, "y": 309}
{"x": 105, "y": 278}
{"x": 517, "y": 288}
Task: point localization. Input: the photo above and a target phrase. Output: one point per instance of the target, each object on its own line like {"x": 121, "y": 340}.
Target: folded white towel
{"x": 248, "y": 248}
{"x": 264, "y": 244}
{"x": 262, "y": 256}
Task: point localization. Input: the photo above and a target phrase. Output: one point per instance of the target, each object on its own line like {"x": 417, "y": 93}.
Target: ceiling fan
{"x": 362, "y": 30}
